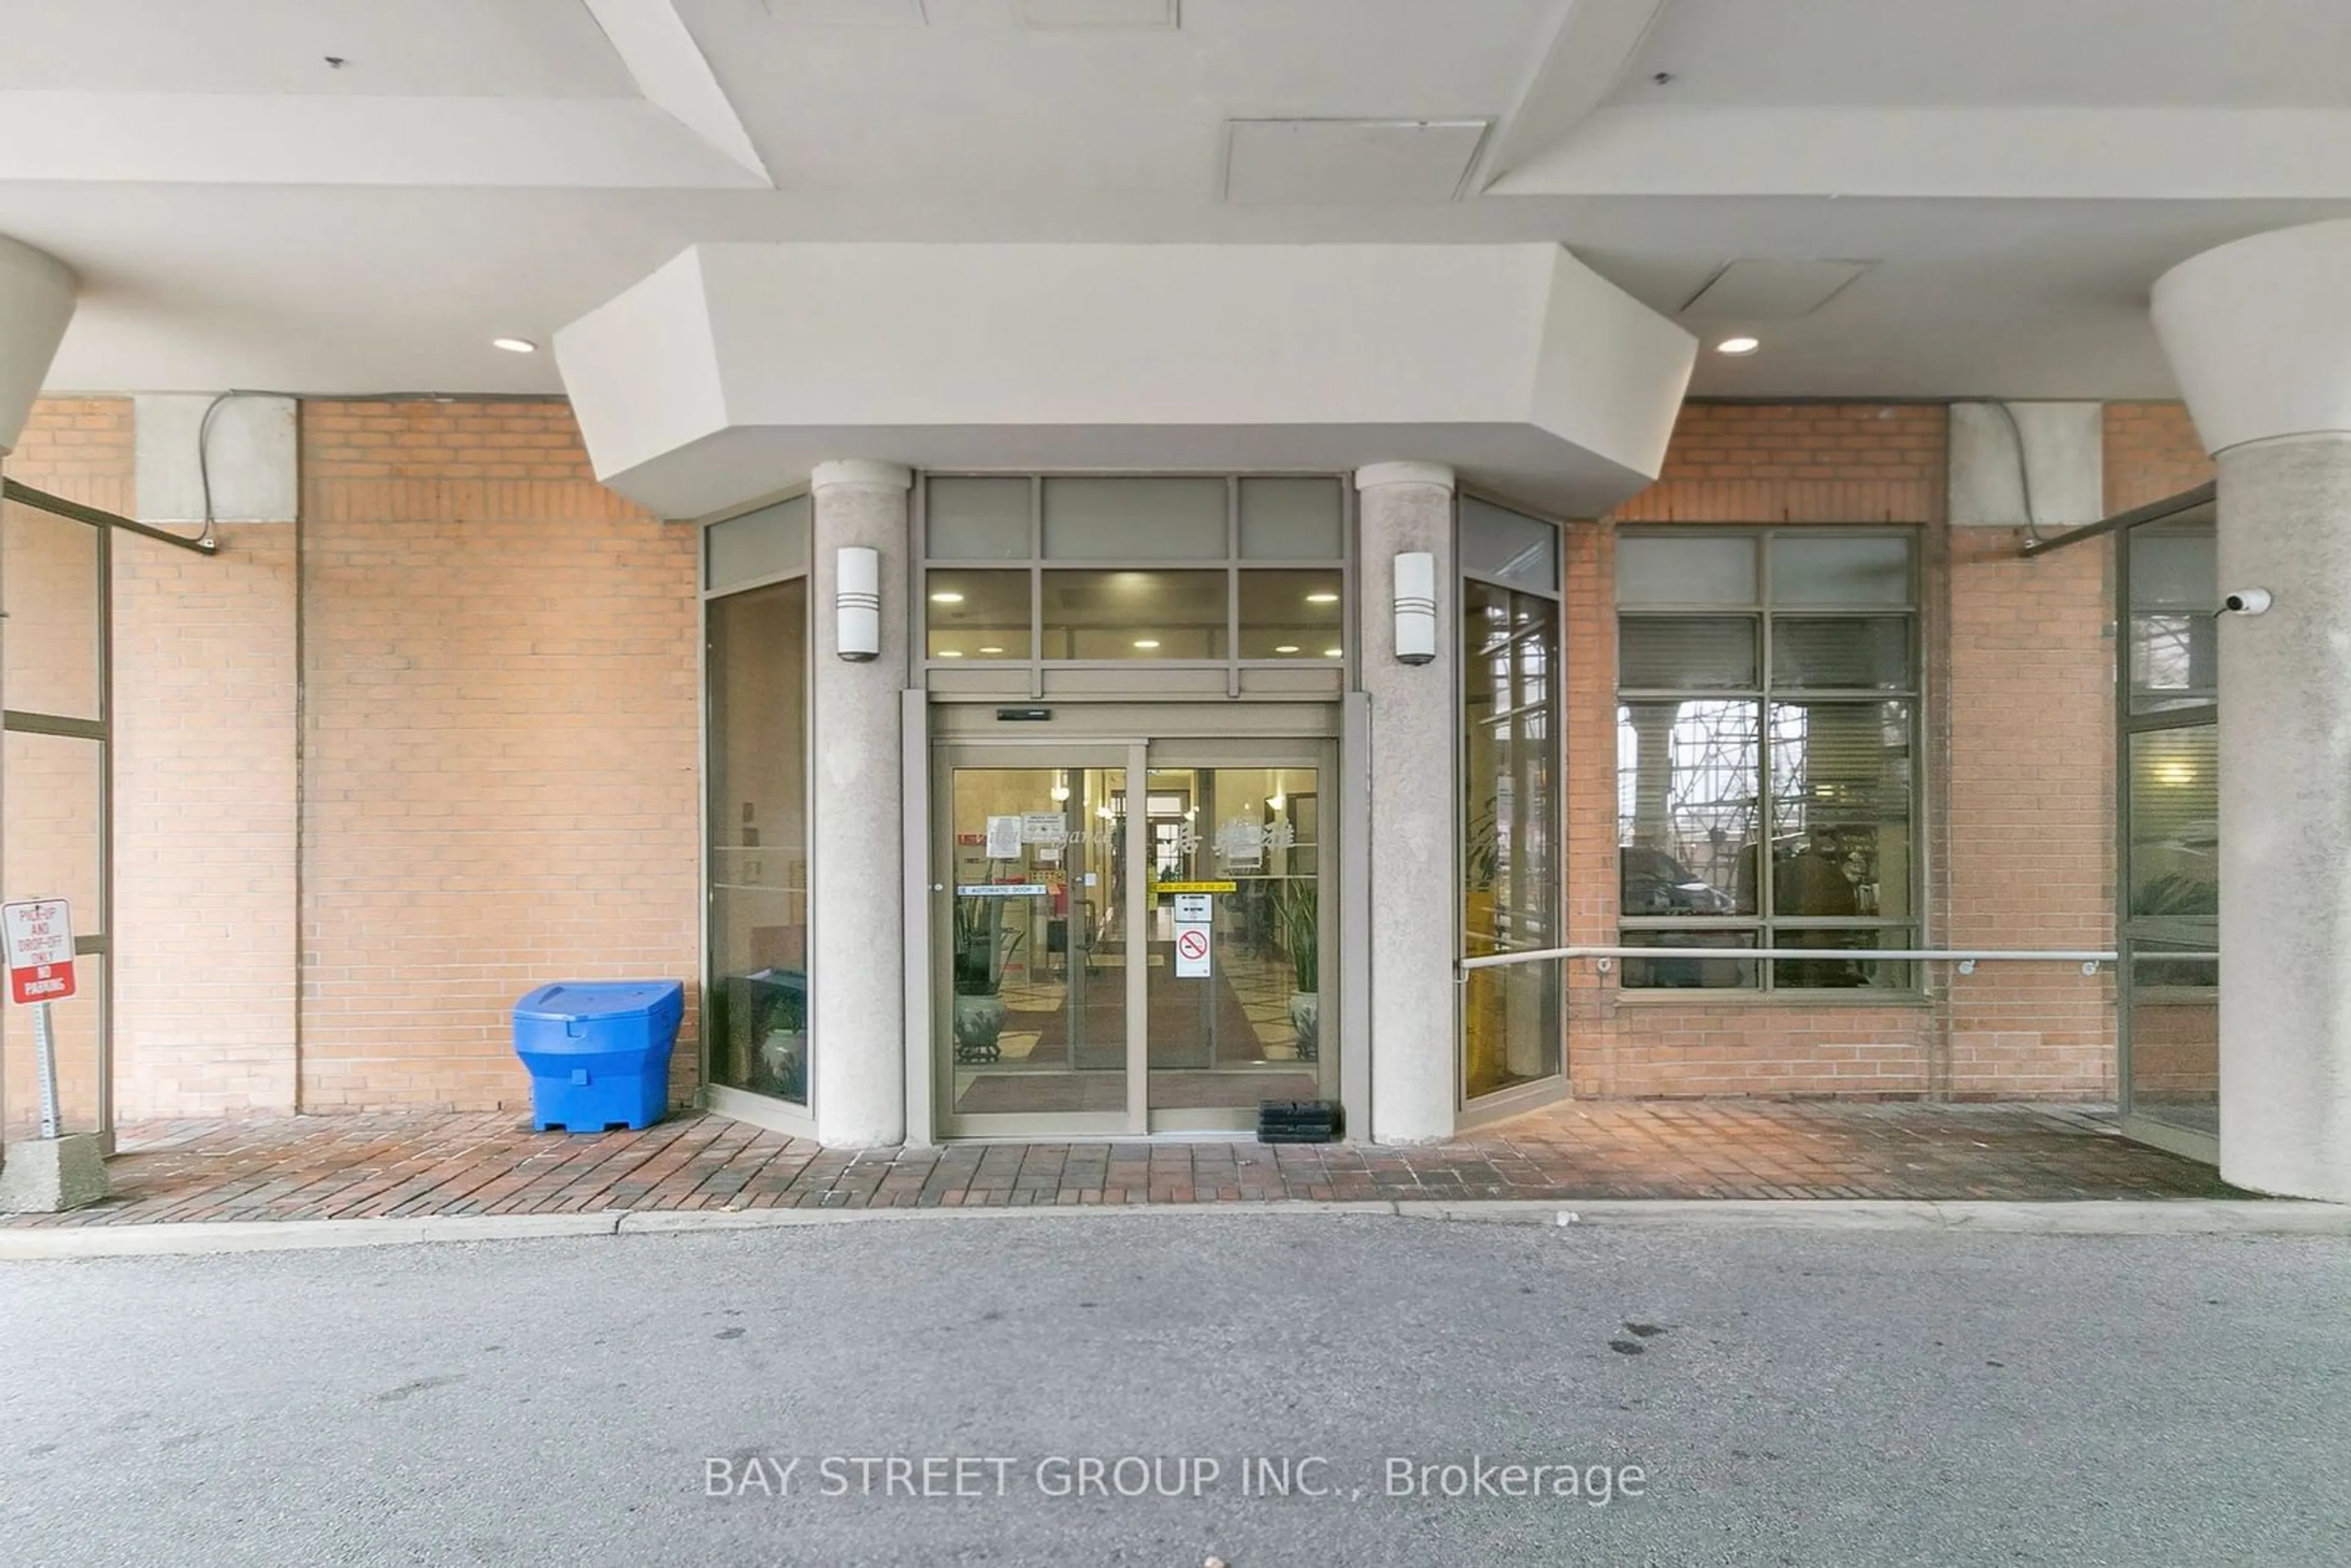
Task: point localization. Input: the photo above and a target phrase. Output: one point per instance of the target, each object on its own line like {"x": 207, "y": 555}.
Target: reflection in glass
{"x": 758, "y": 673}
{"x": 1497, "y": 543}
{"x": 1511, "y": 1017}
{"x": 1134, "y": 614}
{"x": 1688, "y": 807}
{"x": 1290, "y": 615}
{"x": 2175, "y": 823}
{"x": 1839, "y": 973}
{"x": 2173, "y": 1015}
{"x": 1841, "y": 788}
{"x": 1703, "y": 569}
{"x": 976, "y": 615}
{"x": 1670, "y": 972}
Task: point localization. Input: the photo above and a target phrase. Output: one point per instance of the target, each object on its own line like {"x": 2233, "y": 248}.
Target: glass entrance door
{"x": 1234, "y": 954}
{"x": 1121, "y": 960}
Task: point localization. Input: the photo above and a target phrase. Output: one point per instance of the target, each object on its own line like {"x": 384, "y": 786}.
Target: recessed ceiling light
{"x": 946, "y": 599}
{"x": 1738, "y": 345}
{"x": 951, "y": 653}
{"x": 514, "y": 345}
{"x": 1321, "y": 598}
{"x": 1287, "y": 648}
{"x": 991, "y": 650}
{"x": 1146, "y": 641}
{"x": 1330, "y": 652}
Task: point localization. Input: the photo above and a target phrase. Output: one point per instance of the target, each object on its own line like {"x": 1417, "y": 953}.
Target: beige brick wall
{"x": 499, "y": 747}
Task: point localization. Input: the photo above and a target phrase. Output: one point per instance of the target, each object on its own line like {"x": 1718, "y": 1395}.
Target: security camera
{"x": 2247, "y": 602}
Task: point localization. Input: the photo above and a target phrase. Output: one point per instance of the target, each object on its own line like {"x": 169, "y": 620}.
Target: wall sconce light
{"x": 1416, "y": 607}
{"x": 857, "y": 602}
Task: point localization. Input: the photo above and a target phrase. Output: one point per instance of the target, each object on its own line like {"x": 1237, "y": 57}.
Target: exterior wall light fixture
{"x": 856, "y": 603}
{"x": 1416, "y": 607}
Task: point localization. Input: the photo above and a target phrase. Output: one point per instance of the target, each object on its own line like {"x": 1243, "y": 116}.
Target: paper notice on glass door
{"x": 1003, "y": 837}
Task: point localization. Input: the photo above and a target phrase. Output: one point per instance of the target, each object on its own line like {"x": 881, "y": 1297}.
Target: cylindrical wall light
{"x": 1416, "y": 607}
{"x": 857, "y": 602}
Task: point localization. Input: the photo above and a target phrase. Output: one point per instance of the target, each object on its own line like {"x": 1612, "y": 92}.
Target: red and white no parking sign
{"x": 40, "y": 949}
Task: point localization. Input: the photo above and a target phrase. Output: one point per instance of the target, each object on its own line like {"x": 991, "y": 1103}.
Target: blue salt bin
{"x": 598, "y": 1051}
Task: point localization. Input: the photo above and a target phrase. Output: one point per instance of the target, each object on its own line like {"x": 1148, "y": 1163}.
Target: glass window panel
{"x": 1136, "y": 615}
{"x": 1292, "y": 615}
{"x": 2174, "y": 1020}
{"x": 1509, "y": 544}
{"x": 1656, "y": 569}
{"x": 1840, "y": 568}
{"x": 1839, "y": 974}
{"x": 1845, "y": 651}
{"x": 2174, "y": 659}
{"x": 2172, "y": 566}
{"x": 765, "y": 543}
{"x": 1134, "y": 519}
{"x": 1841, "y": 787}
{"x": 1709, "y": 652}
{"x": 2175, "y": 823}
{"x": 1292, "y": 520}
{"x": 1510, "y": 851}
{"x": 977, "y": 518}
{"x": 757, "y": 776}
{"x": 50, "y": 573}
{"x": 975, "y": 615}
{"x": 1688, "y": 814}
{"x": 1666, "y": 972}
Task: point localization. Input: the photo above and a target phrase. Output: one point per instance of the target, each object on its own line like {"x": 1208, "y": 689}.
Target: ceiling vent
{"x": 1349, "y": 163}
{"x": 1070, "y": 15}
{"x": 1759, "y": 290}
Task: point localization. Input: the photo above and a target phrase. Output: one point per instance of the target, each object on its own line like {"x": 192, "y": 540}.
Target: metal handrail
{"x": 2089, "y": 958}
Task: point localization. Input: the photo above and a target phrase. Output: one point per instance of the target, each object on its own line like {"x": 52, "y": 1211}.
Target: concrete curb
{"x": 2158, "y": 1216}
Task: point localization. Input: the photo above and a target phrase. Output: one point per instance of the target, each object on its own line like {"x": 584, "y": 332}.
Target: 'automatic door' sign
{"x": 40, "y": 946}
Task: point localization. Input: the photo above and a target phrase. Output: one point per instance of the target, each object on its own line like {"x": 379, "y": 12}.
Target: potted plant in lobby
{"x": 981, "y": 948}
{"x": 1298, "y": 919}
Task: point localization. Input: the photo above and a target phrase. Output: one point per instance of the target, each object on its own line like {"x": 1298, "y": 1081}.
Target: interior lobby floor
{"x": 321, "y": 1167}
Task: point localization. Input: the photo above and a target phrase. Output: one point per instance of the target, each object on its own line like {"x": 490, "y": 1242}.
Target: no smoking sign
{"x": 1191, "y": 952}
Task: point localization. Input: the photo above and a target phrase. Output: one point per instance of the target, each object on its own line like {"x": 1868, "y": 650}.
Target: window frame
{"x": 1035, "y": 564}
{"x": 1765, "y": 925}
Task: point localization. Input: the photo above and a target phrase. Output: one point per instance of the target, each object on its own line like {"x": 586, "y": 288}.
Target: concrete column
{"x": 2259, "y": 333}
{"x": 36, "y": 301}
{"x": 856, "y": 871}
{"x": 1416, "y": 892}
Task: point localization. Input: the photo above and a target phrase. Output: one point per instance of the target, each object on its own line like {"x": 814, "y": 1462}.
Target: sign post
{"x": 59, "y": 1170}
{"x": 40, "y": 946}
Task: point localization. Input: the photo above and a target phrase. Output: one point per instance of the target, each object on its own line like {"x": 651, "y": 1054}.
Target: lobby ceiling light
{"x": 991, "y": 650}
{"x": 514, "y": 345}
{"x": 946, "y": 599}
{"x": 1331, "y": 653}
{"x": 951, "y": 653}
{"x": 1287, "y": 648}
{"x": 1321, "y": 598}
{"x": 1738, "y": 346}
{"x": 1147, "y": 642}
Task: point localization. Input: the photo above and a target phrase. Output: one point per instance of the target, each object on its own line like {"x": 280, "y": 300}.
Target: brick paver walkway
{"x": 322, "y": 1167}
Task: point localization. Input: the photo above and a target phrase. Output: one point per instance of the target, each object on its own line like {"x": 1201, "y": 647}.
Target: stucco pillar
{"x": 856, "y": 881}
{"x": 36, "y": 301}
{"x": 1416, "y": 892}
{"x": 2259, "y": 333}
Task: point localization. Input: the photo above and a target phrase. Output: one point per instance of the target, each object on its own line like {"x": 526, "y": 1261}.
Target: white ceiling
{"x": 2019, "y": 171}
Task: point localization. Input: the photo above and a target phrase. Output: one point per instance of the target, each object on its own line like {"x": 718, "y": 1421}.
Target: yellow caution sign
{"x": 1195, "y": 887}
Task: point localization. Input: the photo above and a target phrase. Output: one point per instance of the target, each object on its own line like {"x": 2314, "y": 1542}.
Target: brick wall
{"x": 2152, "y": 451}
{"x": 500, "y": 745}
